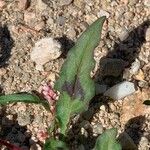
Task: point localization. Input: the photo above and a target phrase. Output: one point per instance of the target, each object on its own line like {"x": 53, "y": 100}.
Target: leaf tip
{"x": 146, "y": 102}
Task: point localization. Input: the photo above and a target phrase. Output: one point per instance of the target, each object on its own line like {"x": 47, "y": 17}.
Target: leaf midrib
{"x": 80, "y": 65}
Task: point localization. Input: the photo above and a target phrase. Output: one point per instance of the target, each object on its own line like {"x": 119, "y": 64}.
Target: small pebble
{"x": 23, "y": 4}
{"x": 123, "y": 34}
{"x": 112, "y": 107}
{"x": 71, "y": 32}
{"x": 38, "y": 119}
{"x": 133, "y": 2}
{"x": 40, "y": 26}
{"x": 64, "y": 2}
{"x": 50, "y": 21}
{"x": 24, "y": 119}
{"x": 29, "y": 16}
{"x": 2, "y": 4}
{"x": 129, "y": 15}
{"x": 103, "y": 13}
{"x": 61, "y": 20}
{"x": 103, "y": 108}
{"x": 45, "y": 50}
{"x": 2, "y": 71}
{"x": 147, "y": 3}
{"x": 40, "y": 6}
{"x": 49, "y": 3}
{"x": 35, "y": 147}
{"x": 142, "y": 84}
{"x": 125, "y": 1}
{"x": 144, "y": 143}
{"x": 147, "y": 36}
{"x": 84, "y": 132}
{"x": 120, "y": 90}
{"x": 90, "y": 18}
{"x": 135, "y": 67}
{"x": 140, "y": 76}
{"x": 98, "y": 128}
{"x": 51, "y": 77}
{"x": 79, "y": 3}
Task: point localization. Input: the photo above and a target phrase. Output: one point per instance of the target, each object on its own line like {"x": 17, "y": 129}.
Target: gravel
{"x": 125, "y": 36}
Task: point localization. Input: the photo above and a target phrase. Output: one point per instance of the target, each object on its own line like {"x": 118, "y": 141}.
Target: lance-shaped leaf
{"x": 75, "y": 84}
{"x": 22, "y": 97}
{"x": 147, "y": 102}
{"x": 107, "y": 141}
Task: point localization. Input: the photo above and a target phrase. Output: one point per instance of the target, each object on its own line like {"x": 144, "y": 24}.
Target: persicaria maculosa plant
{"x": 75, "y": 84}
{"x": 76, "y": 89}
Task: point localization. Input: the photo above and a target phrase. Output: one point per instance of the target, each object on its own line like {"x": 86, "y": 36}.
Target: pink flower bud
{"x": 48, "y": 93}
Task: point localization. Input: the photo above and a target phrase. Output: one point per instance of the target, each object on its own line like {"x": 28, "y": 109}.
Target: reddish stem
{"x": 9, "y": 145}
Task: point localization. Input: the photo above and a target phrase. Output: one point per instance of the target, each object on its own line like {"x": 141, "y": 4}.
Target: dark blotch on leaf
{"x": 78, "y": 90}
{"x": 75, "y": 90}
{"x": 68, "y": 87}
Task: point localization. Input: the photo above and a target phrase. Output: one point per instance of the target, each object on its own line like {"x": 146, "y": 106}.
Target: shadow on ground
{"x": 133, "y": 132}
{"x": 6, "y": 44}
{"x": 14, "y": 133}
{"x": 121, "y": 56}
{"x": 66, "y": 43}
{"x": 125, "y": 51}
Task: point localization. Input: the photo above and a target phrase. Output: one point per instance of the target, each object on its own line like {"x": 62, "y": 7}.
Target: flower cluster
{"x": 48, "y": 93}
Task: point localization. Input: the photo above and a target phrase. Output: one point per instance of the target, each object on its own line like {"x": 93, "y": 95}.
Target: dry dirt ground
{"x": 126, "y": 36}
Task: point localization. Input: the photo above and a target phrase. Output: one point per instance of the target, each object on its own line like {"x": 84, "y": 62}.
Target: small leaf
{"x": 107, "y": 141}
{"x": 52, "y": 144}
{"x": 75, "y": 84}
{"x": 147, "y": 102}
{"x": 22, "y": 97}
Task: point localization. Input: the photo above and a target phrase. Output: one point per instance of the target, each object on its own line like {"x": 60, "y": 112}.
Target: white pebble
{"x": 103, "y": 13}
{"x": 40, "y": 6}
{"x": 147, "y": 3}
{"x": 135, "y": 67}
{"x": 45, "y": 50}
{"x": 103, "y": 108}
{"x": 123, "y": 34}
{"x": 120, "y": 90}
{"x": 64, "y": 2}
{"x": 147, "y": 36}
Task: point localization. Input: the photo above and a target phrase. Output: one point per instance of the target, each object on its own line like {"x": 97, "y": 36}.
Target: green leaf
{"x": 63, "y": 111}
{"x": 22, "y": 97}
{"x": 147, "y": 102}
{"x": 75, "y": 84}
{"x": 52, "y": 144}
{"x": 107, "y": 141}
